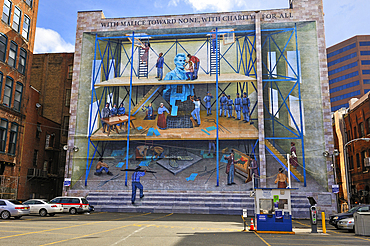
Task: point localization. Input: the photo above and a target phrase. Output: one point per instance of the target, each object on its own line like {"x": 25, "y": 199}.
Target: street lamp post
{"x": 346, "y": 168}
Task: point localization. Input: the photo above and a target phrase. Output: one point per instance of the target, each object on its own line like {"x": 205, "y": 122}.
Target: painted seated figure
{"x": 173, "y": 93}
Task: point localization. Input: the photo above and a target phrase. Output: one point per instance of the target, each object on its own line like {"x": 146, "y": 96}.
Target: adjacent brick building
{"x": 17, "y": 35}
{"x": 349, "y": 70}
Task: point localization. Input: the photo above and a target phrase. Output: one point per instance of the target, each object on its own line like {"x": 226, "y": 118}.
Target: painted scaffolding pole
{"x": 300, "y": 103}
{"x": 217, "y": 142}
{"x": 129, "y": 106}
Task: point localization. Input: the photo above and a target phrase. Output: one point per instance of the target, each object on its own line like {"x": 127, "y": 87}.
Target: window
{"x": 13, "y": 138}
{"x": 38, "y": 130}
{"x": 368, "y": 125}
{"x": 35, "y": 157}
{"x": 342, "y": 87}
{"x": 366, "y": 91}
{"x": 7, "y": 11}
{"x": 22, "y": 60}
{"x": 29, "y": 2}
{"x": 365, "y": 53}
{"x": 12, "y": 54}
{"x": 347, "y": 76}
{"x": 354, "y": 132}
{"x": 3, "y": 132}
{"x": 3, "y": 44}
{"x": 366, "y": 81}
{"x": 65, "y": 125}
{"x": 358, "y": 161}
{"x": 365, "y": 43}
{"x": 365, "y": 62}
{"x": 343, "y": 68}
{"x": 349, "y": 138}
{"x": 271, "y": 64}
{"x": 70, "y": 71}
{"x": 362, "y": 130}
{"x": 342, "y": 59}
{"x": 351, "y": 166}
{"x": 26, "y": 27}
{"x": 295, "y": 118}
{"x": 1, "y": 82}
{"x": 68, "y": 97}
{"x": 17, "y": 19}
{"x": 363, "y": 156}
{"x": 8, "y": 91}
{"x": 18, "y": 96}
{"x": 291, "y": 66}
{"x": 365, "y": 71}
{"x": 274, "y": 102}
{"x": 351, "y": 46}
{"x": 344, "y": 96}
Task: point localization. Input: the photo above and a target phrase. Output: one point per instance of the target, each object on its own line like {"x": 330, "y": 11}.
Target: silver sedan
{"x": 13, "y": 208}
{"x": 347, "y": 224}
{"x": 43, "y": 208}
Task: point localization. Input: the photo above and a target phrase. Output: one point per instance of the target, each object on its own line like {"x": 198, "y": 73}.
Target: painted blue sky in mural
{"x": 56, "y": 24}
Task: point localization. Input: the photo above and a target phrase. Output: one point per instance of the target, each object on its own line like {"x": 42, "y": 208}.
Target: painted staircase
{"x": 143, "y": 66}
{"x": 213, "y": 58}
{"x": 145, "y": 99}
{"x": 282, "y": 160}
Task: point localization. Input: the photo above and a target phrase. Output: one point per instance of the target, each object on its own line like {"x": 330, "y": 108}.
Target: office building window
{"x": 342, "y": 87}
{"x": 12, "y": 54}
{"x": 347, "y": 76}
{"x": 17, "y": 19}
{"x": 8, "y": 91}
{"x": 68, "y": 97}
{"x": 342, "y": 59}
{"x": 65, "y": 125}
{"x": 7, "y": 9}
{"x": 26, "y": 27}
{"x": 35, "y": 157}
{"x": 365, "y": 43}
{"x": 13, "y": 138}
{"x": 3, "y": 44}
{"x": 29, "y": 2}
{"x": 333, "y": 109}
{"x": 365, "y": 62}
{"x": 22, "y": 60}
{"x": 365, "y": 71}
{"x": 365, "y": 53}
{"x": 344, "y": 96}
{"x": 70, "y": 71}
{"x": 366, "y": 81}
{"x": 366, "y": 91}
{"x": 341, "y": 69}
{"x": 18, "y": 96}
{"x": 348, "y": 47}
{"x": 3, "y": 131}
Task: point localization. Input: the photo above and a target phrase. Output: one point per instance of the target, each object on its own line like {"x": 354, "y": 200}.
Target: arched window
{"x": 18, "y": 96}
{"x": 3, "y": 131}
{"x": 3, "y": 44}
{"x": 22, "y": 60}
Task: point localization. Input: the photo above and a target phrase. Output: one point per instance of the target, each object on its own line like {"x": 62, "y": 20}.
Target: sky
{"x": 57, "y": 20}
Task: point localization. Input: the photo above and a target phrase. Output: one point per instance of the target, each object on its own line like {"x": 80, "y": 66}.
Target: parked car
{"x": 348, "y": 224}
{"x": 91, "y": 208}
{"x": 72, "y": 205}
{"x": 333, "y": 219}
{"x": 43, "y": 208}
{"x": 13, "y": 208}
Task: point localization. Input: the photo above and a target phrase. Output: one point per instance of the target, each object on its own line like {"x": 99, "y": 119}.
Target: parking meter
{"x": 313, "y": 214}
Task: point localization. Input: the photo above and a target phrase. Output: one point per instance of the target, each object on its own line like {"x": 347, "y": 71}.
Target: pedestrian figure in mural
{"x": 102, "y": 166}
{"x": 190, "y": 73}
{"x": 223, "y": 104}
{"x": 105, "y": 114}
{"x": 144, "y": 57}
{"x": 207, "y": 100}
{"x": 211, "y": 144}
{"x": 114, "y": 110}
{"x": 121, "y": 111}
{"x": 245, "y": 105}
{"x": 136, "y": 183}
{"x": 229, "y": 107}
{"x": 196, "y": 111}
{"x": 196, "y": 64}
{"x": 162, "y": 123}
{"x": 149, "y": 111}
{"x": 293, "y": 155}
{"x": 238, "y": 104}
{"x": 159, "y": 66}
{"x": 281, "y": 179}
{"x": 254, "y": 170}
{"x": 214, "y": 38}
{"x": 230, "y": 168}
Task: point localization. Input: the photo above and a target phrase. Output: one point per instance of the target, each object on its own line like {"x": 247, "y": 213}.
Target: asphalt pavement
{"x": 102, "y": 228}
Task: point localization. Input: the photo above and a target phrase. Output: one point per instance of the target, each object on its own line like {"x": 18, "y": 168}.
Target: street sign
{"x": 335, "y": 189}
{"x": 245, "y": 213}
{"x": 67, "y": 181}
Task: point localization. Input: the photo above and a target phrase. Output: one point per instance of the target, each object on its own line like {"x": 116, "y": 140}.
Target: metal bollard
{"x": 323, "y": 222}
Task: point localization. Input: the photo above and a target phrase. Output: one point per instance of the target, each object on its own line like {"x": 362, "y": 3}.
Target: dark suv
{"x": 333, "y": 219}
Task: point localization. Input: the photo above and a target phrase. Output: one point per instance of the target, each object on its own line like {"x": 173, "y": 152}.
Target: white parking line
{"x": 123, "y": 239}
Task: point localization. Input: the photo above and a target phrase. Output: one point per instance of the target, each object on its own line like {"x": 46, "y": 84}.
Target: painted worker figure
{"x": 230, "y": 168}
{"x": 238, "y": 104}
{"x": 142, "y": 151}
{"x": 196, "y": 112}
{"x": 136, "y": 183}
{"x": 161, "y": 122}
{"x": 144, "y": 57}
{"x": 196, "y": 64}
{"x": 214, "y": 38}
{"x": 207, "y": 100}
{"x": 159, "y": 66}
{"x": 223, "y": 104}
{"x": 254, "y": 171}
{"x": 229, "y": 107}
{"x": 245, "y": 107}
{"x": 293, "y": 156}
{"x": 105, "y": 114}
{"x": 190, "y": 73}
{"x": 281, "y": 179}
{"x": 149, "y": 111}
{"x": 100, "y": 166}
{"x": 114, "y": 110}
{"x": 211, "y": 144}
{"x": 121, "y": 111}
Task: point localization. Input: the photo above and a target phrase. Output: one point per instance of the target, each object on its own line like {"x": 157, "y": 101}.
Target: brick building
{"x": 17, "y": 35}
{"x": 349, "y": 70}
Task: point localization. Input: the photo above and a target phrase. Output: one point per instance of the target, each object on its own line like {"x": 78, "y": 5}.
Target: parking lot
{"x": 157, "y": 229}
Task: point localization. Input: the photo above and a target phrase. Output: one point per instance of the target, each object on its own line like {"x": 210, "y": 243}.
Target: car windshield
{"x": 352, "y": 210}
{"x": 15, "y": 202}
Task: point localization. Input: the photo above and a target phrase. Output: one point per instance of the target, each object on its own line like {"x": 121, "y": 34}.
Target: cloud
{"x": 233, "y": 5}
{"x": 49, "y": 41}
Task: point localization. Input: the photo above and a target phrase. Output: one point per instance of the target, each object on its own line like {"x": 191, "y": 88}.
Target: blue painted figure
{"x": 114, "y": 110}
{"x": 121, "y": 111}
{"x": 207, "y": 100}
{"x": 229, "y": 107}
{"x": 211, "y": 144}
{"x": 246, "y": 104}
{"x": 105, "y": 114}
{"x": 136, "y": 183}
{"x": 149, "y": 111}
{"x": 223, "y": 104}
{"x": 196, "y": 111}
{"x": 230, "y": 168}
{"x": 238, "y": 104}
{"x": 170, "y": 93}
{"x": 159, "y": 66}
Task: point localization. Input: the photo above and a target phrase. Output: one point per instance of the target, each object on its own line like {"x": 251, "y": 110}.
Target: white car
{"x": 72, "y": 205}
{"x": 348, "y": 224}
{"x": 43, "y": 208}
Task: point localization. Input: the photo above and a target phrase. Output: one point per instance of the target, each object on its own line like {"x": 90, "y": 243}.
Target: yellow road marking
{"x": 263, "y": 240}
{"x": 301, "y": 223}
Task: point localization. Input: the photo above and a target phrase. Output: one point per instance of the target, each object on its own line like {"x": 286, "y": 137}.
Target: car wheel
{"x": 17, "y": 217}
{"x": 73, "y": 211}
{"x": 43, "y": 212}
{"x": 5, "y": 215}
{"x": 51, "y": 214}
